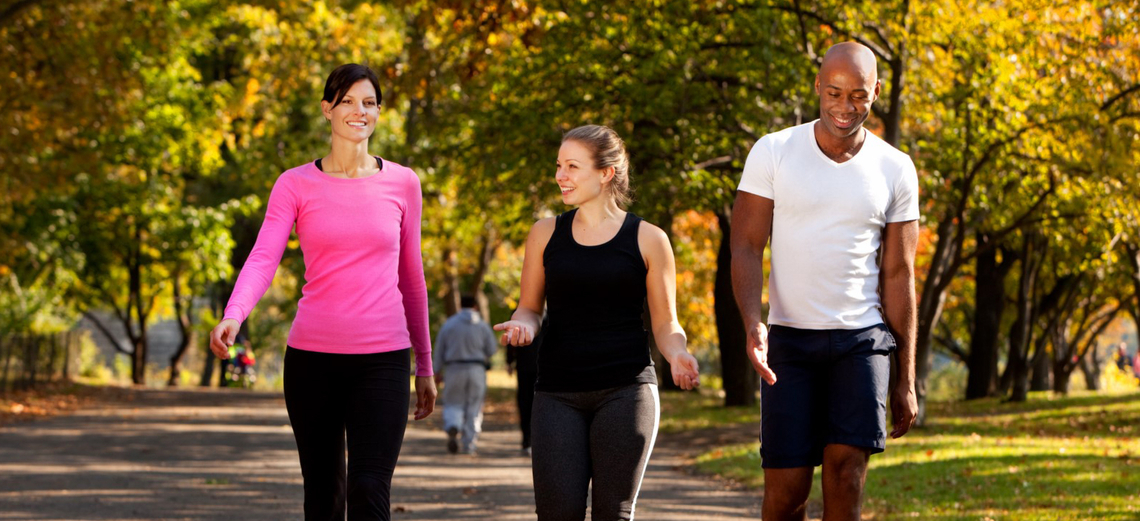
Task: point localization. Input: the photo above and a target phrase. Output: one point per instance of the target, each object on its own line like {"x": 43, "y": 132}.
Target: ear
{"x": 326, "y": 110}
{"x": 878, "y": 88}
{"x": 816, "y": 85}
{"x": 608, "y": 174}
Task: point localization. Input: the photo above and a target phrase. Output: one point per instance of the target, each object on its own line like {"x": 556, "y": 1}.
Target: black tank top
{"x": 595, "y": 297}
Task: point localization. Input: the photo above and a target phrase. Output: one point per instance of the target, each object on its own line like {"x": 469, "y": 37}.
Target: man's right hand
{"x": 222, "y": 337}
{"x": 758, "y": 352}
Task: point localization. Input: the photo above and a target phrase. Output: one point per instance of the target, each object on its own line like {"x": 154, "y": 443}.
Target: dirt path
{"x": 157, "y": 454}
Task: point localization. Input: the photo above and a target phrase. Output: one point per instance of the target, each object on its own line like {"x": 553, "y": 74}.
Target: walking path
{"x": 205, "y": 455}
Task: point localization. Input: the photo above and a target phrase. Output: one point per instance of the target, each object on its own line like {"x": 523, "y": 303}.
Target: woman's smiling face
{"x": 577, "y": 178}
{"x": 354, "y": 118}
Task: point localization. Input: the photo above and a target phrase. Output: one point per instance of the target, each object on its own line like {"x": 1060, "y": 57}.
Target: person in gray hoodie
{"x": 463, "y": 350}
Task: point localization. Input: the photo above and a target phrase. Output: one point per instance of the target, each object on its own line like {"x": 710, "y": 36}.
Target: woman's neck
{"x": 349, "y": 159}
{"x": 599, "y": 210}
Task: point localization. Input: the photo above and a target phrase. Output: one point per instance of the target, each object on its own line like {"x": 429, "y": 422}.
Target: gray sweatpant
{"x": 605, "y": 436}
{"x": 464, "y": 388}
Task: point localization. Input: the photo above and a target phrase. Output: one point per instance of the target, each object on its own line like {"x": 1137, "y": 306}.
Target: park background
{"x": 139, "y": 141}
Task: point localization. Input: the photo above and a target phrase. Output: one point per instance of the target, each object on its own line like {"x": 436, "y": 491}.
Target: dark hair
{"x": 344, "y": 77}
{"x": 608, "y": 150}
{"x": 467, "y": 301}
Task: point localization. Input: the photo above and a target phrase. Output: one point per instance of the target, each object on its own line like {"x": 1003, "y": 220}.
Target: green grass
{"x": 1065, "y": 458}
{"x": 702, "y": 409}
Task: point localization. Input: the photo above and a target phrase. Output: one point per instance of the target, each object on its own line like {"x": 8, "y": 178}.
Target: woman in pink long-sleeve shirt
{"x": 363, "y": 306}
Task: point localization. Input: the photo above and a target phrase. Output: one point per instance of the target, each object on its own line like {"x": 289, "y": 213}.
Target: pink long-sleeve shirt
{"x": 364, "y": 286}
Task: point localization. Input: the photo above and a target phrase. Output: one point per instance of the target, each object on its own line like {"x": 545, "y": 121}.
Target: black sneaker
{"x": 453, "y": 440}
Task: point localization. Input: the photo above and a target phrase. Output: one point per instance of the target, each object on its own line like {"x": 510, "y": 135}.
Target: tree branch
{"x": 804, "y": 37}
{"x": 106, "y": 332}
{"x": 1119, "y": 96}
{"x": 795, "y": 9}
{"x": 952, "y": 347}
{"x": 716, "y": 161}
{"x": 11, "y": 11}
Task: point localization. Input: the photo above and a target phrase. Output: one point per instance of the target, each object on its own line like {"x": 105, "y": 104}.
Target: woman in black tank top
{"x": 596, "y": 408}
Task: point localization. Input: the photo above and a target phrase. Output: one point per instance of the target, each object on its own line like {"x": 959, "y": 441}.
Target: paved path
{"x": 200, "y": 454}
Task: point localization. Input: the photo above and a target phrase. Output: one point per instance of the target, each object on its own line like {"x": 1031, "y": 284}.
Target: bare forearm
{"x": 748, "y": 284}
{"x": 901, "y": 317}
{"x": 671, "y": 340}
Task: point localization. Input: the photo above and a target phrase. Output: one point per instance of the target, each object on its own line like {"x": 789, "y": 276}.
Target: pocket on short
{"x": 884, "y": 340}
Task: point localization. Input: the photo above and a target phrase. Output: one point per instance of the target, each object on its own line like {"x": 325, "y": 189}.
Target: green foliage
{"x": 141, "y": 138}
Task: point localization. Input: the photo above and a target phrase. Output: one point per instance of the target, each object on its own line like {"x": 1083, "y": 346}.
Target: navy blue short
{"x": 831, "y": 387}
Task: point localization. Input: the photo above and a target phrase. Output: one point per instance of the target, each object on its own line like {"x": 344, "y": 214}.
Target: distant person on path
{"x": 523, "y": 362}
{"x": 241, "y": 364}
{"x": 833, "y": 198}
{"x": 596, "y": 407}
{"x": 1123, "y": 361}
{"x": 463, "y": 350}
{"x": 227, "y": 364}
{"x": 363, "y": 308}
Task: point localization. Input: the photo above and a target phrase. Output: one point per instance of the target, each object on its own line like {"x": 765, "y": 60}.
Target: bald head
{"x": 847, "y": 84}
{"x": 852, "y": 58}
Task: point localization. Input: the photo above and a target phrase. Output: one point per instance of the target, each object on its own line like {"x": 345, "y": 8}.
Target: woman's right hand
{"x": 515, "y": 333}
{"x": 222, "y": 337}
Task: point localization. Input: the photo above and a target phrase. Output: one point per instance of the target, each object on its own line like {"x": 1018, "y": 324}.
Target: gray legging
{"x": 602, "y": 435}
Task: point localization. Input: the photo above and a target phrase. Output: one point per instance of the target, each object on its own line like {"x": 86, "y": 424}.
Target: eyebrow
{"x": 836, "y": 87}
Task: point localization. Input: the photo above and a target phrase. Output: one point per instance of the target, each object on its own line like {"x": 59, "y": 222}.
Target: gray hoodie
{"x": 465, "y": 337}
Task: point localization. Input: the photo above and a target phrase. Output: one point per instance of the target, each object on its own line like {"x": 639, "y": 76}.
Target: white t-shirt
{"x": 827, "y": 225}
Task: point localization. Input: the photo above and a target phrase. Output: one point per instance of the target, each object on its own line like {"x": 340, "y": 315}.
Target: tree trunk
{"x": 1062, "y": 367}
{"x": 138, "y": 356}
{"x": 739, "y": 378}
{"x": 479, "y": 276}
{"x": 1091, "y": 368}
{"x": 1061, "y": 376}
{"x": 989, "y": 302}
{"x": 891, "y": 123}
{"x": 219, "y": 290}
{"x": 208, "y": 370}
{"x": 1092, "y": 363}
{"x": 450, "y": 281}
{"x": 942, "y": 270}
{"x": 1132, "y": 304}
{"x": 185, "y": 329}
{"x": 1042, "y": 379}
{"x": 1021, "y": 333}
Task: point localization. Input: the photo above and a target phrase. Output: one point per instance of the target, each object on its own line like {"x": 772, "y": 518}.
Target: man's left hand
{"x": 904, "y": 408}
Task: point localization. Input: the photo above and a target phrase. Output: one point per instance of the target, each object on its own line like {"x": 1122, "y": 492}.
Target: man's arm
{"x": 437, "y": 354}
{"x": 490, "y": 343}
{"x": 896, "y": 287}
{"x": 751, "y": 227}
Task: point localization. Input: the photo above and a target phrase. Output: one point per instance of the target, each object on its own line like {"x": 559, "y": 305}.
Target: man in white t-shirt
{"x": 835, "y": 199}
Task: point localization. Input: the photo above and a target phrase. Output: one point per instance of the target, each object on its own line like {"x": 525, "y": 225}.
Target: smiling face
{"x": 354, "y": 118}
{"x": 579, "y": 181}
{"x": 847, "y": 85}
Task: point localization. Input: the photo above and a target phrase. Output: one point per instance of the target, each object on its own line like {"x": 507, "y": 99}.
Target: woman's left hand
{"x": 686, "y": 372}
{"x": 425, "y": 396}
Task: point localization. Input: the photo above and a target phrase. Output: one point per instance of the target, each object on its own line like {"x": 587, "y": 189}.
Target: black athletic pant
{"x": 362, "y": 397}
{"x": 525, "y": 399}
{"x": 603, "y": 437}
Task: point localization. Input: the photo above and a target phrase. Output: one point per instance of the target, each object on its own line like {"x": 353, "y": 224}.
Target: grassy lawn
{"x": 682, "y": 411}
{"x": 1063, "y": 458}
